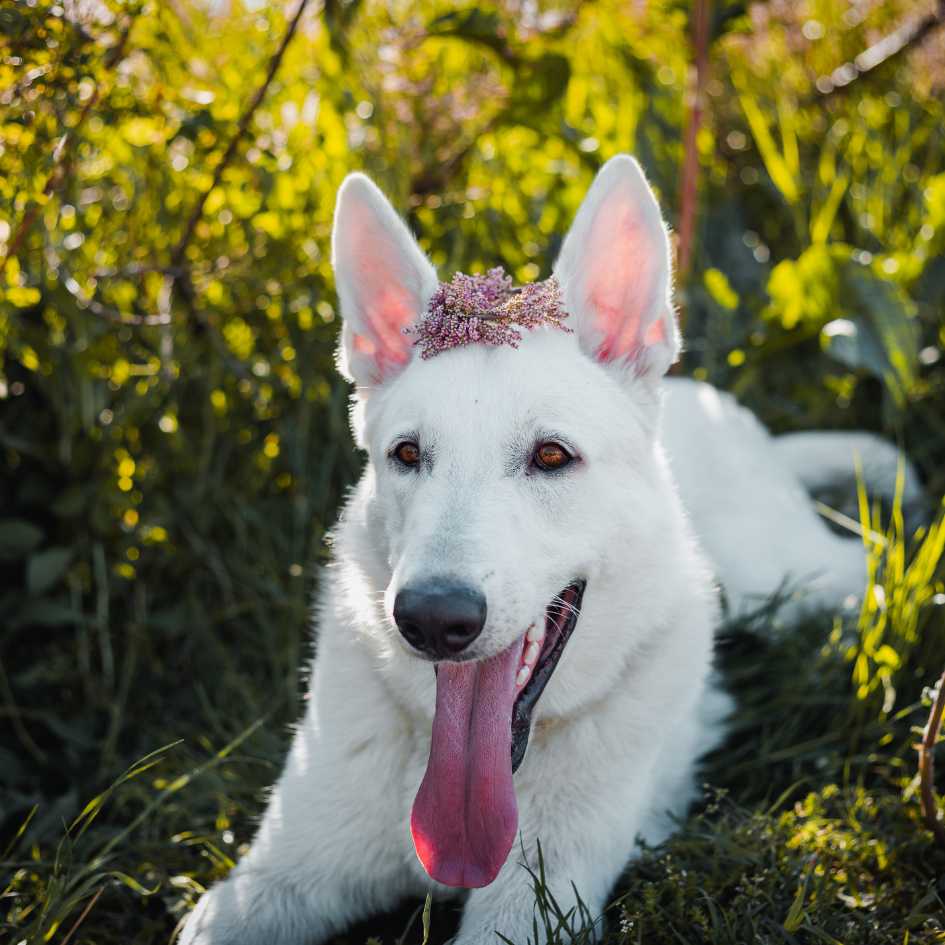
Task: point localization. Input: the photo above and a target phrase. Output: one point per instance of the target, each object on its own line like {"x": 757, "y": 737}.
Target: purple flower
{"x": 486, "y": 309}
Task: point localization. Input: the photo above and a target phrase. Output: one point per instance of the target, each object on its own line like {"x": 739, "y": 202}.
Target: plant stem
{"x": 695, "y": 101}
{"x": 926, "y": 749}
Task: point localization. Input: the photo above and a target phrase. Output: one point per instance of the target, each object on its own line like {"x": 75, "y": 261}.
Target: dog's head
{"x": 500, "y": 471}
{"x": 507, "y": 480}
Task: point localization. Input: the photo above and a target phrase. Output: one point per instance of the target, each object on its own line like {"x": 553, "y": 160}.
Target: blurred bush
{"x": 173, "y": 436}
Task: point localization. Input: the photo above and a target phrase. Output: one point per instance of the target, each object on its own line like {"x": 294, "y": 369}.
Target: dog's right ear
{"x": 384, "y": 282}
{"x": 616, "y": 274}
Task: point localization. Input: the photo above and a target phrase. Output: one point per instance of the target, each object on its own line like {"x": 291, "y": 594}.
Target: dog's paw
{"x": 246, "y": 910}
{"x": 205, "y": 925}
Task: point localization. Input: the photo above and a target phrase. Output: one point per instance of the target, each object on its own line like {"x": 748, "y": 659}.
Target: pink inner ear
{"x": 386, "y": 311}
{"x": 385, "y": 290}
{"x": 623, "y": 281}
{"x": 655, "y": 334}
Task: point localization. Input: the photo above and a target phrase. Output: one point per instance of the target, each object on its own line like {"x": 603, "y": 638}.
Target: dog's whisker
{"x": 558, "y": 601}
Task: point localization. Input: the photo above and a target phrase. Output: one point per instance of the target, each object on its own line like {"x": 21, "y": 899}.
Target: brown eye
{"x": 408, "y": 453}
{"x": 551, "y": 456}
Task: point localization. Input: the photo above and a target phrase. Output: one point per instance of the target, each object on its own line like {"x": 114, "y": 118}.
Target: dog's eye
{"x": 551, "y": 456}
{"x": 407, "y": 453}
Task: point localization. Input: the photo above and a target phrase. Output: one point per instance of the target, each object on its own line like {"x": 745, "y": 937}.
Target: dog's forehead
{"x": 500, "y": 392}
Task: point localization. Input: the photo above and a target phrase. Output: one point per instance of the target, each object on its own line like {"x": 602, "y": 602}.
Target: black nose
{"x": 440, "y": 618}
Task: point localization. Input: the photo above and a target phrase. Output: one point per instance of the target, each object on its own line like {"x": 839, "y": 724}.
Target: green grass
{"x": 809, "y": 830}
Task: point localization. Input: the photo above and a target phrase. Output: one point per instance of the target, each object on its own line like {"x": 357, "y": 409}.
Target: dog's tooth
{"x": 522, "y": 676}
{"x": 531, "y": 653}
{"x": 535, "y": 633}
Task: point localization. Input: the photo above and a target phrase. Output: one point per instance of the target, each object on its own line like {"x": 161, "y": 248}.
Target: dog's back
{"x": 750, "y": 497}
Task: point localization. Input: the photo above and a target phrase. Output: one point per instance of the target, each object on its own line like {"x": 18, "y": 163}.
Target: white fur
{"x": 630, "y": 704}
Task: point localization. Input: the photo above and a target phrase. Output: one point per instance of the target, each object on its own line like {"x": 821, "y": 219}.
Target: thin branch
{"x": 926, "y": 749}
{"x": 136, "y": 269}
{"x": 9, "y": 95}
{"x": 695, "y": 100}
{"x": 71, "y": 285}
{"x": 125, "y": 318}
{"x": 62, "y": 154}
{"x": 885, "y": 50}
{"x": 88, "y": 908}
{"x": 178, "y": 254}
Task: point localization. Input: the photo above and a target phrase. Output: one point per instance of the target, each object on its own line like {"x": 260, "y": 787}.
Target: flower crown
{"x": 486, "y": 309}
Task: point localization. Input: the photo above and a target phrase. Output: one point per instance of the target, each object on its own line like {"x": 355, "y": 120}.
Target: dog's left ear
{"x": 384, "y": 282}
{"x": 615, "y": 273}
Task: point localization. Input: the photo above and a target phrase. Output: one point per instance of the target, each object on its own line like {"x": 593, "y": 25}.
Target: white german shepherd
{"x": 532, "y": 558}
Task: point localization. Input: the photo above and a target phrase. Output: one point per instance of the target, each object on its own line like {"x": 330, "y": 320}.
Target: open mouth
{"x": 465, "y": 816}
{"x": 543, "y": 649}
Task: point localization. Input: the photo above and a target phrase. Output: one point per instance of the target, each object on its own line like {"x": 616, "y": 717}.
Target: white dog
{"x": 549, "y": 520}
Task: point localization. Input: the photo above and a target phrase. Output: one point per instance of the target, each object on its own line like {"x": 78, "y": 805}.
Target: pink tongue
{"x": 465, "y": 817}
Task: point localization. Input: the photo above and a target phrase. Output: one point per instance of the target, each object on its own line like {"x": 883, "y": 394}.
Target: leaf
{"x": 796, "y": 915}
{"x": 472, "y": 25}
{"x": 888, "y": 656}
{"x": 935, "y": 201}
{"x": 775, "y": 163}
{"x": 132, "y": 883}
{"x": 930, "y": 287}
{"x": 22, "y": 296}
{"x": 804, "y": 290}
{"x": 70, "y": 502}
{"x": 880, "y": 338}
{"x": 18, "y": 538}
{"x": 45, "y": 613}
{"x": 728, "y": 17}
{"x": 891, "y": 317}
{"x": 854, "y": 344}
{"x": 45, "y": 568}
{"x": 820, "y": 227}
{"x": 718, "y": 286}
{"x": 538, "y": 84}
{"x": 141, "y": 132}
{"x": 427, "y": 906}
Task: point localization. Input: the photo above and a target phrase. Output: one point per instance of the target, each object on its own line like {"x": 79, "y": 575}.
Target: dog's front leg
{"x": 332, "y": 846}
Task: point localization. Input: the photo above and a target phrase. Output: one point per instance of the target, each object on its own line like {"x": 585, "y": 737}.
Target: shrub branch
{"x": 177, "y": 277}
{"x": 62, "y": 153}
{"x": 695, "y": 95}
{"x": 178, "y": 254}
{"x": 892, "y": 45}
